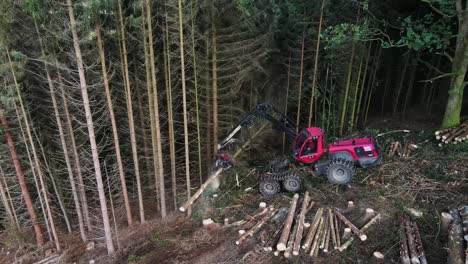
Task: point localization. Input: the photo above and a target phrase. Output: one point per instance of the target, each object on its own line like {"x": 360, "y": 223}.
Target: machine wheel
{"x": 292, "y": 182}
{"x": 269, "y": 188}
{"x": 340, "y": 171}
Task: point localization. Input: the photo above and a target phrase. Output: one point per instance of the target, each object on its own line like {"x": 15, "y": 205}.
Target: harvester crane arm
{"x": 269, "y": 113}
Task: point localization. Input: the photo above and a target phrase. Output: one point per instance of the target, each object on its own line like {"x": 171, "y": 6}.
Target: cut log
{"x": 364, "y": 228}
{"x": 404, "y": 251}
{"x": 332, "y": 227}
{"x": 290, "y": 244}
{"x": 274, "y": 238}
{"x": 455, "y": 242}
{"x": 355, "y": 230}
{"x": 350, "y": 204}
{"x": 326, "y": 228}
{"x": 281, "y": 246}
{"x": 419, "y": 244}
{"x": 257, "y": 227}
{"x": 346, "y": 234}
{"x": 313, "y": 229}
{"x": 327, "y": 235}
{"x": 300, "y": 225}
{"x": 378, "y": 257}
{"x": 369, "y": 213}
{"x": 337, "y": 230}
{"x": 464, "y": 216}
{"x": 317, "y": 238}
{"x": 446, "y": 221}
{"x": 411, "y": 241}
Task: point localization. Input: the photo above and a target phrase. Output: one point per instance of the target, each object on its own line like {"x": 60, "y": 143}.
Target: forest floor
{"x": 432, "y": 180}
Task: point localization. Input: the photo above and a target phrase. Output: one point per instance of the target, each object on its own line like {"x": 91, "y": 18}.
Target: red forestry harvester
{"x": 308, "y": 147}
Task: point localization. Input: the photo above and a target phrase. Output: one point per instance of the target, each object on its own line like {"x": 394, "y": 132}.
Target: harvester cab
{"x": 308, "y": 147}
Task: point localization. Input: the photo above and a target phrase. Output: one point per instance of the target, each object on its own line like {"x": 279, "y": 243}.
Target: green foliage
{"x": 160, "y": 242}
{"x": 336, "y": 36}
{"x": 133, "y": 259}
{"x": 428, "y": 32}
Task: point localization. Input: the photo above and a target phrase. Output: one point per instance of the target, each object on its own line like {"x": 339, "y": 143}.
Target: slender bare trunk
{"x": 131, "y": 121}
{"x": 195, "y": 82}
{"x": 149, "y": 88}
{"x": 76, "y": 157}
{"x": 115, "y": 132}
{"x": 91, "y": 134}
{"x": 170, "y": 117}
{"x": 36, "y": 159}
{"x": 22, "y": 182}
{"x": 160, "y": 169}
{"x": 298, "y": 116}
{"x": 63, "y": 143}
{"x": 184, "y": 101}
{"x": 8, "y": 209}
{"x": 215, "y": 88}
{"x": 317, "y": 50}
{"x": 286, "y": 99}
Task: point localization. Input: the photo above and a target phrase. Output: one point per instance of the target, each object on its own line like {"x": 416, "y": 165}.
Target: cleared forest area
{"x": 247, "y": 131}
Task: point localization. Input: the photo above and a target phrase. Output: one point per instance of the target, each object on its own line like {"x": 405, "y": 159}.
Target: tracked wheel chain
{"x": 279, "y": 176}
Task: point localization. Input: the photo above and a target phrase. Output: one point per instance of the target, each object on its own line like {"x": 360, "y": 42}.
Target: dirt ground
{"x": 432, "y": 180}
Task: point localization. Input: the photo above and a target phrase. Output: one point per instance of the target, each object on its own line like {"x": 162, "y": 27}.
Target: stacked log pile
{"x": 295, "y": 236}
{"x": 411, "y": 247}
{"x": 456, "y": 223}
{"x": 453, "y": 135}
{"x": 401, "y": 150}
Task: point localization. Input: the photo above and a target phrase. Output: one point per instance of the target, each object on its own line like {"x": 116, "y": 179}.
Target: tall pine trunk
{"x": 215, "y": 87}
{"x": 170, "y": 117}
{"x": 184, "y": 101}
{"x": 91, "y": 134}
{"x": 197, "y": 111}
{"x": 160, "y": 169}
{"x": 76, "y": 157}
{"x": 459, "y": 69}
{"x": 298, "y": 116}
{"x": 37, "y": 164}
{"x": 317, "y": 50}
{"x": 348, "y": 80}
{"x": 149, "y": 88}
{"x": 115, "y": 134}
{"x": 63, "y": 142}
{"x": 131, "y": 121}
{"x": 22, "y": 182}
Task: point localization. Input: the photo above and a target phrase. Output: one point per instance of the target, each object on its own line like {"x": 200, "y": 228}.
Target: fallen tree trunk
{"x": 331, "y": 219}
{"x": 364, "y": 228}
{"x": 281, "y": 246}
{"x": 300, "y": 225}
{"x": 257, "y": 227}
{"x": 215, "y": 175}
{"x": 408, "y": 233}
{"x": 455, "y": 243}
{"x": 355, "y": 230}
{"x": 318, "y": 237}
{"x": 313, "y": 229}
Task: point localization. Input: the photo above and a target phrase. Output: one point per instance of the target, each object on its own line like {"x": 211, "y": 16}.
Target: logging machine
{"x": 307, "y": 147}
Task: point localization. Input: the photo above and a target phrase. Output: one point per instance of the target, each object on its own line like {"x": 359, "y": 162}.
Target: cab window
{"x": 299, "y": 142}
{"x": 362, "y": 152}
{"x": 310, "y": 147}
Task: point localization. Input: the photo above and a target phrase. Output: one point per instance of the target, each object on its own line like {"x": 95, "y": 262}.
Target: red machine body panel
{"x": 358, "y": 148}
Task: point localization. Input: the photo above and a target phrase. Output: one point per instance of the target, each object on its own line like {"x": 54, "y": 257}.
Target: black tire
{"x": 340, "y": 171}
{"x": 292, "y": 183}
{"x": 269, "y": 188}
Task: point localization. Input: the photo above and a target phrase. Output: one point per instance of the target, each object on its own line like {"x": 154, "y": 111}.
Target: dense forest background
{"x": 113, "y": 109}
